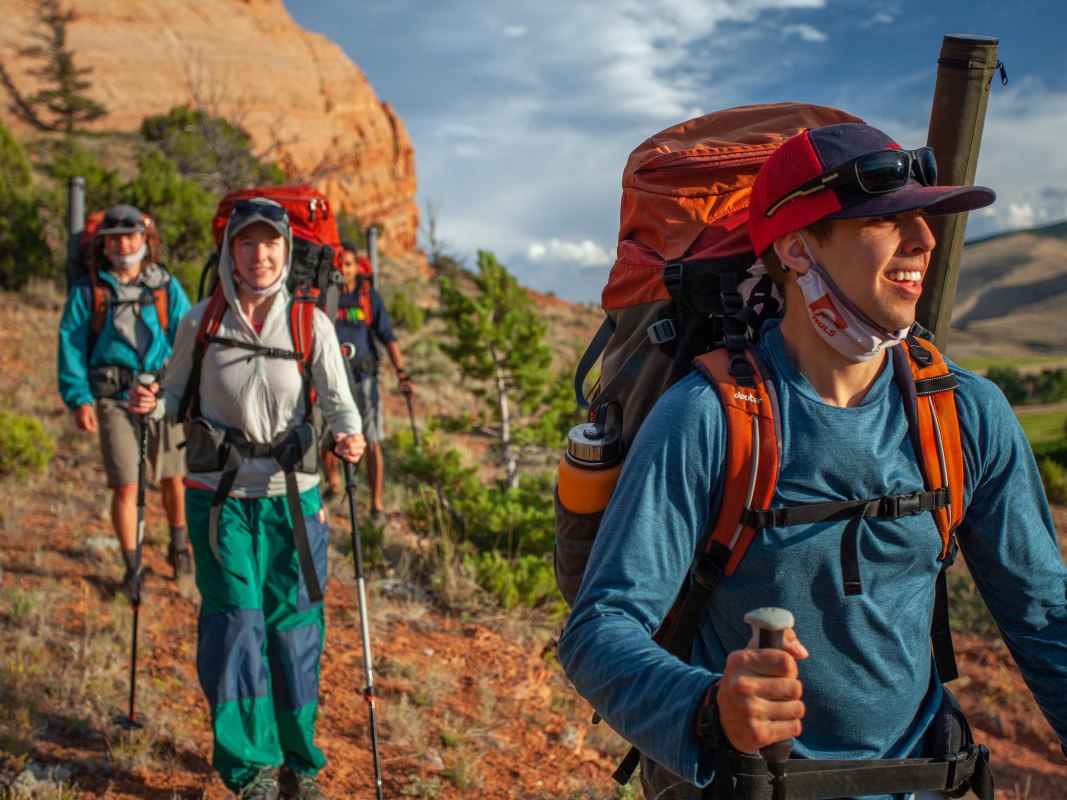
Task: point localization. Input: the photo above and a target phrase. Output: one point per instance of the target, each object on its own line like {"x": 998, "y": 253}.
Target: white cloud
{"x": 806, "y": 32}
{"x": 585, "y": 253}
{"x": 514, "y": 31}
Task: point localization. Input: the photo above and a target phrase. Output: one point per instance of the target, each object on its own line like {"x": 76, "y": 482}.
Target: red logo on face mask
{"x": 824, "y": 314}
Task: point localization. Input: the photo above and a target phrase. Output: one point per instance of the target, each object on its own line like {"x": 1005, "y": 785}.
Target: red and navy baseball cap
{"x": 799, "y": 184}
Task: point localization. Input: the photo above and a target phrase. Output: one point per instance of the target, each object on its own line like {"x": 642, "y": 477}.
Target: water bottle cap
{"x": 590, "y": 445}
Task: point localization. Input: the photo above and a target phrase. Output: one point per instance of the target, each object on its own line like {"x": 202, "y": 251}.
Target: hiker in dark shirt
{"x": 118, "y": 321}
{"x": 363, "y": 323}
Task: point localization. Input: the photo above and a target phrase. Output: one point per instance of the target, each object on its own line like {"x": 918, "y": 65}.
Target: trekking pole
{"x": 406, "y": 391}
{"x": 364, "y": 623}
{"x": 769, "y": 626}
{"x": 132, "y": 720}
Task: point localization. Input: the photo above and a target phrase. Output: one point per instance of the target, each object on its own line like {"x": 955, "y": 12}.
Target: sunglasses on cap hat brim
{"x": 248, "y": 212}
{"x": 880, "y": 172}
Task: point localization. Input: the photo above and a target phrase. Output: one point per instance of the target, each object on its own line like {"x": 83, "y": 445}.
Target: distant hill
{"x": 1012, "y": 295}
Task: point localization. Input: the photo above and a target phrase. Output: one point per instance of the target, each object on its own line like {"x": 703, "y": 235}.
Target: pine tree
{"x": 499, "y": 341}
{"x": 64, "y": 97}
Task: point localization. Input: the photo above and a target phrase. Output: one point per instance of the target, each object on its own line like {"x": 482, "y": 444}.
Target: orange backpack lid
{"x": 685, "y": 191}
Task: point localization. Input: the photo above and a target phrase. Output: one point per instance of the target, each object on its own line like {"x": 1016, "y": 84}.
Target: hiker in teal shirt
{"x": 856, "y": 678}
{"x": 120, "y": 320}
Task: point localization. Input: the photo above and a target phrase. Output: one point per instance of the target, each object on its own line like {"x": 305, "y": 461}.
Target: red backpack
{"x": 316, "y": 257}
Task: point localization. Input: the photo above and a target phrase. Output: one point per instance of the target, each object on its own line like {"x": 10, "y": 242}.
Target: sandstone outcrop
{"x": 297, "y": 94}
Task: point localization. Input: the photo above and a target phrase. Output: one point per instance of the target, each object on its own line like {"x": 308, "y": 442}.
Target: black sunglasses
{"x": 270, "y": 211}
{"x": 875, "y": 173}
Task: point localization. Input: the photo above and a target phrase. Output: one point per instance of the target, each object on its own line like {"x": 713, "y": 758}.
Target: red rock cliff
{"x": 296, "y": 93}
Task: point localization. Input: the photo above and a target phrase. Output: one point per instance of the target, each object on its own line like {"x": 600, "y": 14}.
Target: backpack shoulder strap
{"x": 750, "y": 477}
{"x": 100, "y": 296}
{"x": 752, "y": 450}
{"x": 928, "y": 388}
{"x": 302, "y": 327}
{"x": 161, "y": 300}
{"x": 209, "y": 326}
{"x": 930, "y": 402}
{"x": 364, "y": 299}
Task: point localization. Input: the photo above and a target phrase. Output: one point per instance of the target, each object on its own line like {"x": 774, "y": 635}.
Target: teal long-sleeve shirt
{"x": 870, "y": 687}
{"x": 147, "y": 348}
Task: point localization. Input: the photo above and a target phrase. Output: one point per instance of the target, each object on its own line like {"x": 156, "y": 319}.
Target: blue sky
{"x": 523, "y": 113}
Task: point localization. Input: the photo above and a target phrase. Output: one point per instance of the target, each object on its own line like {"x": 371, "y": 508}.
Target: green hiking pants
{"x": 260, "y": 638}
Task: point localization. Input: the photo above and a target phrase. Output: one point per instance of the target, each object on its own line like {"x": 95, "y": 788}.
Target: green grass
{"x": 1043, "y": 428}
{"x": 981, "y": 365}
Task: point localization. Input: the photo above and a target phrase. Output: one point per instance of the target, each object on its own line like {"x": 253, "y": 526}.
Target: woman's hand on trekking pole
{"x": 349, "y": 446}
{"x": 142, "y": 399}
{"x": 85, "y": 417}
{"x": 759, "y": 695}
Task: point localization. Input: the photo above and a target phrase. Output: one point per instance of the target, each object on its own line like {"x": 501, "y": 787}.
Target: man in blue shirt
{"x": 839, "y": 217}
{"x": 114, "y": 327}
{"x": 363, "y": 323}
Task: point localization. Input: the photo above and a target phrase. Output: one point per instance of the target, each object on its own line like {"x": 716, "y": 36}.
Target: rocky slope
{"x": 301, "y": 99}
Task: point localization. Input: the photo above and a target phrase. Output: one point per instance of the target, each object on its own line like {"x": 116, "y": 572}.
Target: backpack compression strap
{"x": 301, "y": 325}
{"x": 209, "y": 326}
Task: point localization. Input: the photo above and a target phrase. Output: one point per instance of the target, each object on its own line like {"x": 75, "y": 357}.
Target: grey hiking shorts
{"x": 369, "y": 403}
{"x": 120, "y": 445}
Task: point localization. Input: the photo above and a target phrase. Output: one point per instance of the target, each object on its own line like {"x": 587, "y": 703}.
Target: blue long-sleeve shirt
{"x": 870, "y": 687}
{"x": 142, "y": 345}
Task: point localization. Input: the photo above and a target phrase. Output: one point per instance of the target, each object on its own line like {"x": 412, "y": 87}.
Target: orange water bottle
{"x": 590, "y": 468}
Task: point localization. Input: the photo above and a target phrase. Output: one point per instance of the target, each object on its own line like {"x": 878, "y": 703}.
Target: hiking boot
{"x": 298, "y": 786}
{"x": 264, "y": 786}
{"x": 131, "y": 584}
{"x": 181, "y": 561}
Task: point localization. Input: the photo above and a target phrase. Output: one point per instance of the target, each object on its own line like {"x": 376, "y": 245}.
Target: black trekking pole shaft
{"x": 411, "y": 416}
{"x": 364, "y": 624}
{"x": 769, "y": 626}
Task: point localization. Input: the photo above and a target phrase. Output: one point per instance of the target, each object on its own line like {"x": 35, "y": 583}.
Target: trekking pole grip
{"x": 769, "y": 626}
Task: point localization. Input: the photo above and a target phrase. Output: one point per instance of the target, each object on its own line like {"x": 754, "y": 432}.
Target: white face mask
{"x": 266, "y": 291}
{"x": 124, "y": 262}
{"x": 838, "y": 321}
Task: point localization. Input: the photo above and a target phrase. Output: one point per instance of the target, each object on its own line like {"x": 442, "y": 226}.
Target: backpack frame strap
{"x": 162, "y": 303}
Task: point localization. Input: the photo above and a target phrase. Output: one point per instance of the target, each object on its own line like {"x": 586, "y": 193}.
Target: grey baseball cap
{"x": 122, "y": 218}
{"x": 258, "y": 209}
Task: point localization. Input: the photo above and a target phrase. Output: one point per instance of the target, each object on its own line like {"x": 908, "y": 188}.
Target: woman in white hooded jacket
{"x": 251, "y": 458}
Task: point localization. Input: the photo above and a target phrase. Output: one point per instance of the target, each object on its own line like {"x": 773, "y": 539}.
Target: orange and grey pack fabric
{"x": 88, "y": 263}
{"x": 685, "y": 282}
{"x": 316, "y": 257}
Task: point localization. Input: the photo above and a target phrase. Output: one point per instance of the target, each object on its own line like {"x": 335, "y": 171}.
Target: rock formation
{"x": 301, "y": 99}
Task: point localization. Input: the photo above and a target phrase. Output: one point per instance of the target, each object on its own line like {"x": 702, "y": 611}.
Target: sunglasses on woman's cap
{"x": 875, "y": 173}
{"x": 248, "y": 212}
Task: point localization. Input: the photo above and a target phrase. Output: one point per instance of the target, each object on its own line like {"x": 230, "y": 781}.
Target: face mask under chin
{"x": 838, "y": 321}
{"x": 130, "y": 260}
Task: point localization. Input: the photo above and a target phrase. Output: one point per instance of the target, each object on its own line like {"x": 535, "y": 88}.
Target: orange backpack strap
{"x": 161, "y": 300}
{"x": 101, "y": 301}
{"x": 750, "y": 405}
{"x": 931, "y": 408}
{"x": 189, "y": 408}
{"x": 302, "y": 326}
{"x": 751, "y": 471}
{"x": 928, "y": 389}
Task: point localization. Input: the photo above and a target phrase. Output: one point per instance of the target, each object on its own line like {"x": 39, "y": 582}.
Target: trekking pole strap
{"x": 819, "y": 780}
